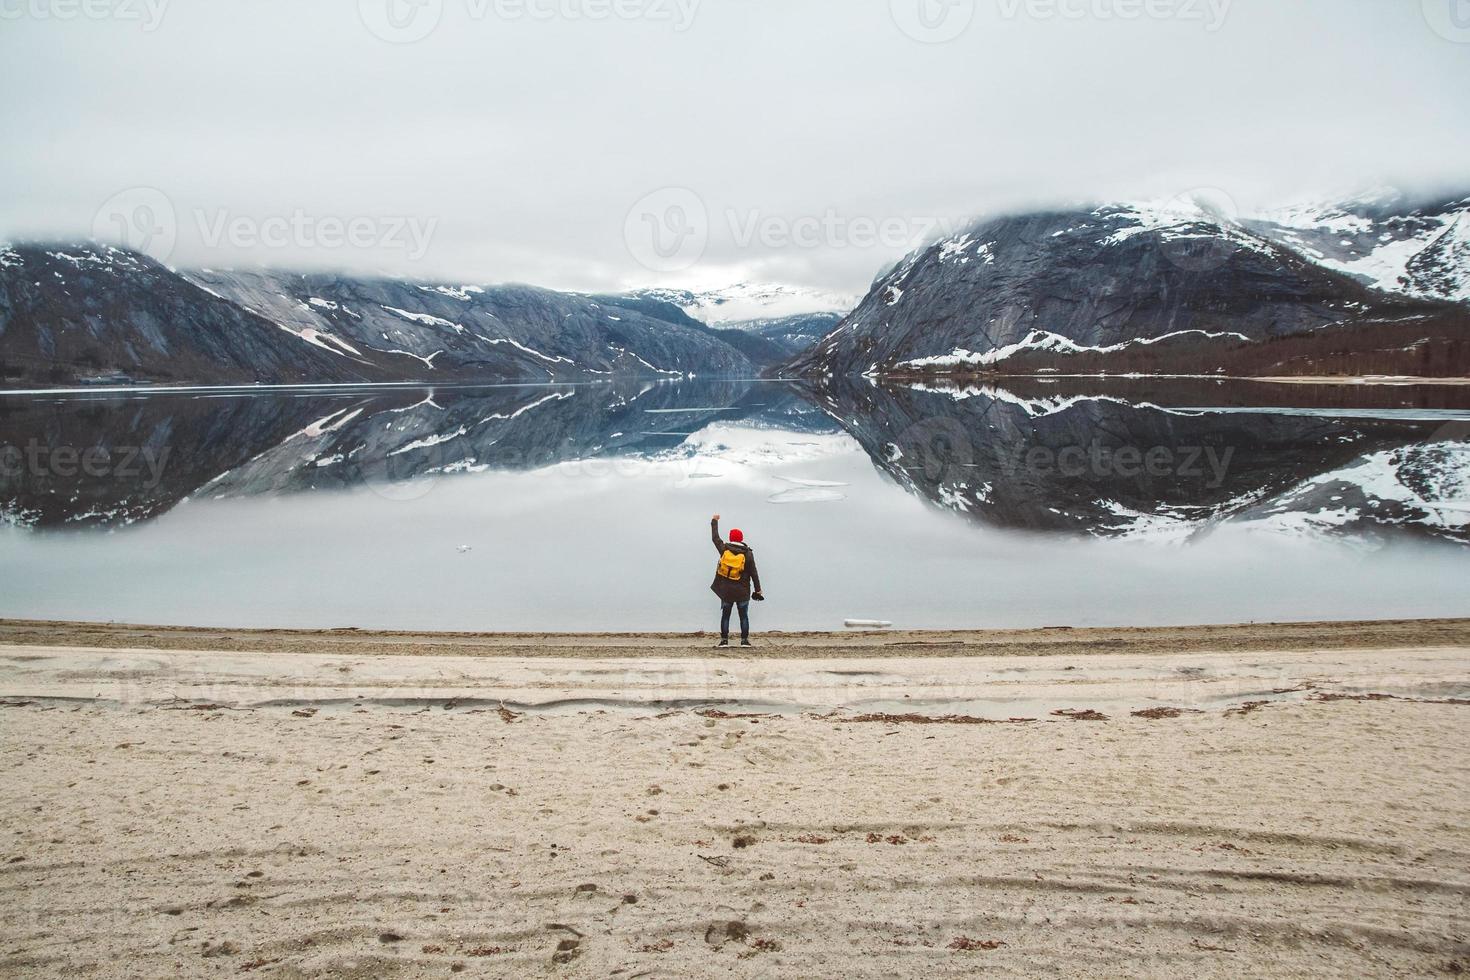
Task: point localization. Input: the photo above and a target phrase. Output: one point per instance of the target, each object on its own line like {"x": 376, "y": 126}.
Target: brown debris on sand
{"x": 1080, "y": 714}
{"x": 1328, "y": 696}
{"x": 1157, "y": 714}
{"x": 887, "y": 719}
{"x": 968, "y": 944}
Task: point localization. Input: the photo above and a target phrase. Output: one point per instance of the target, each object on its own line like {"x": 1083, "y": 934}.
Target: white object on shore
{"x": 465, "y": 549}
{"x": 868, "y": 624}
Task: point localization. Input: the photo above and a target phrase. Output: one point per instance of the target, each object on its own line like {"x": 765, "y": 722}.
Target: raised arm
{"x": 714, "y": 533}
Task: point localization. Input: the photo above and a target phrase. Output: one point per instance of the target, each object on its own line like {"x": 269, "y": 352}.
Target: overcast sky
{"x": 685, "y": 141}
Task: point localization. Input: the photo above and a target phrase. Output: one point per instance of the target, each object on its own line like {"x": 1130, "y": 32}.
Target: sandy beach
{"x": 1265, "y": 800}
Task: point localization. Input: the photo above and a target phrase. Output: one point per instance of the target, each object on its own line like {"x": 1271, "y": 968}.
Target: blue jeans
{"x": 744, "y": 619}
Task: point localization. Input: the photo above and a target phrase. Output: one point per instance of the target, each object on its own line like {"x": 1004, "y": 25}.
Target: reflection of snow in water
{"x": 806, "y": 495}
{"x": 687, "y": 411}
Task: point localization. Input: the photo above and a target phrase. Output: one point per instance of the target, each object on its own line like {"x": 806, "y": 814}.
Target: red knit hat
{"x": 737, "y": 535}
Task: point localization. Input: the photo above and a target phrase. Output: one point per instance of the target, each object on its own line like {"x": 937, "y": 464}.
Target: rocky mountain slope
{"x": 790, "y": 334}
{"x": 1169, "y": 289}
{"x": 69, "y": 314}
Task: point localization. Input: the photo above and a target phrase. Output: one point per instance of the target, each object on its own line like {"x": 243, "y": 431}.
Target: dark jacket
{"x": 734, "y": 590}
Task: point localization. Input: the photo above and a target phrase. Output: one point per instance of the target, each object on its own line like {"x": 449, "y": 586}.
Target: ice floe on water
{"x": 806, "y": 495}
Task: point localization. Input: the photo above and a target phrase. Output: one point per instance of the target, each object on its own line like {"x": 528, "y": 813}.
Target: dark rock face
{"x": 1115, "y": 281}
{"x": 73, "y": 313}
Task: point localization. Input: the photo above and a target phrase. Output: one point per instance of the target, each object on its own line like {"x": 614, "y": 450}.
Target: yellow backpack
{"x": 732, "y": 566}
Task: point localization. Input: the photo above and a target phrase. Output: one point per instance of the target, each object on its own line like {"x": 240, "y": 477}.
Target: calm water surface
{"x": 587, "y": 507}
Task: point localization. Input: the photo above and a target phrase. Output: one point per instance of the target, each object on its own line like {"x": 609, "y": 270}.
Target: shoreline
{"x": 1148, "y": 640}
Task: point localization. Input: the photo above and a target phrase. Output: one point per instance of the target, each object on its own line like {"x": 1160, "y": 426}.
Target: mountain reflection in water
{"x": 570, "y": 507}
{"x": 1126, "y": 459}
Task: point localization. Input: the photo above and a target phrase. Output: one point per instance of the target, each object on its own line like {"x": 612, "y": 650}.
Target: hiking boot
{"x": 722, "y": 643}
{"x": 746, "y": 643}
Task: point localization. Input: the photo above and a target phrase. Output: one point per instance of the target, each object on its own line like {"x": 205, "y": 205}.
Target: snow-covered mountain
{"x": 751, "y": 303}
{"x": 73, "y": 313}
{"x": 1382, "y": 239}
{"x": 1178, "y": 287}
{"x": 474, "y": 331}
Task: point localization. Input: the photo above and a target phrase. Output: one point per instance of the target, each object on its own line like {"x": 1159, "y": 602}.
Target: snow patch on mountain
{"x": 1179, "y": 219}
{"x": 427, "y": 319}
{"x": 322, "y": 339}
{"x": 529, "y": 350}
{"x": 461, "y": 293}
{"x": 1043, "y": 340}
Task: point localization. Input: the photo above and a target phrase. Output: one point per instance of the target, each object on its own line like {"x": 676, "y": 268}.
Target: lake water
{"x": 584, "y": 508}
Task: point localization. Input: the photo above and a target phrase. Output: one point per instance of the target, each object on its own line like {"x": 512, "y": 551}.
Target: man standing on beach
{"x": 733, "y": 580}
